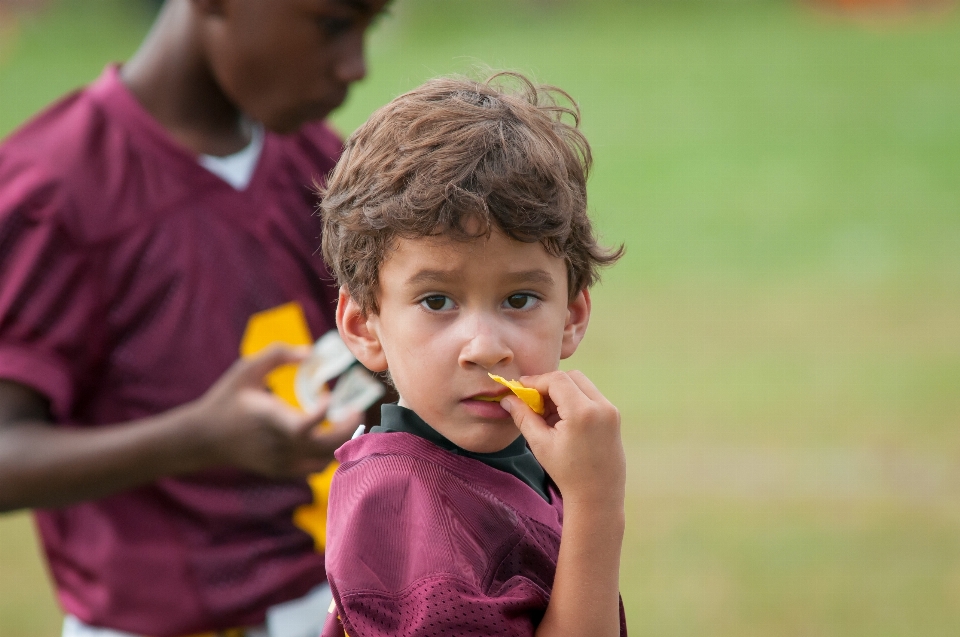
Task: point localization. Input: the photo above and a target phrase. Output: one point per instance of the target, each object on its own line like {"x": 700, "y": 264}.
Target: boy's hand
{"x": 250, "y": 428}
{"x": 577, "y": 440}
{"x": 236, "y": 423}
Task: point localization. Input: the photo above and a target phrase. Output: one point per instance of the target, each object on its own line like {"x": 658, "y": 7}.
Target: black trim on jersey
{"x": 516, "y": 459}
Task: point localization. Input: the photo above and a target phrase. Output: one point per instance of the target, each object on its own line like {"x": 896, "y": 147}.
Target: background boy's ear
{"x": 578, "y": 316}
{"x": 359, "y": 331}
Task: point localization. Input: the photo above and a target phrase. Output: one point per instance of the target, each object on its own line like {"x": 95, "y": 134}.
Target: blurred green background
{"x": 783, "y": 336}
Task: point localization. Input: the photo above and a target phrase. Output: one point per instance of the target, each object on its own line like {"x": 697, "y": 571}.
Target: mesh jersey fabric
{"x": 127, "y": 275}
{"x": 424, "y": 542}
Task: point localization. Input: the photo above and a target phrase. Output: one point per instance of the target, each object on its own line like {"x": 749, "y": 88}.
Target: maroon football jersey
{"x": 128, "y": 273}
{"x": 422, "y": 542}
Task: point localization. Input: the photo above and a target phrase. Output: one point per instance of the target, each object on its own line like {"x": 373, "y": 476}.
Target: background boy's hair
{"x": 460, "y": 158}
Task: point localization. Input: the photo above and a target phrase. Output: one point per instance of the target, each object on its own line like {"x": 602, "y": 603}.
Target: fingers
{"x": 250, "y": 371}
{"x": 305, "y": 428}
{"x": 544, "y": 382}
{"x": 563, "y": 387}
{"x": 311, "y": 419}
{"x": 301, "y": 445}
{"x": 586, "y": 385}
{"x": 562, "y": 390}
{"x": 531, "y": 425}
{"x": 328, "y": 438}
{"x": 321, "y": 445}
{"x": 336, "y": 433}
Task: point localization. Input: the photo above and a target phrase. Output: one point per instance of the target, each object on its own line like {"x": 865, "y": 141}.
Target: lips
{"x": 489, "y": 397}
{"x": 486, "y": 406}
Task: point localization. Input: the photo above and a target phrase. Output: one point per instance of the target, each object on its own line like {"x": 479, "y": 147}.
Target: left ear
{"x": 578, "y": 315}
{"x": 359, "y": 330}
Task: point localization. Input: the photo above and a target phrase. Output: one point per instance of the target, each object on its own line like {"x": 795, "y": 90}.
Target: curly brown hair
{"x": 461, "y": 158}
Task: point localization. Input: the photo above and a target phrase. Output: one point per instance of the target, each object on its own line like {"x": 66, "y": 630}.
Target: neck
{"x": 171, "y": 77}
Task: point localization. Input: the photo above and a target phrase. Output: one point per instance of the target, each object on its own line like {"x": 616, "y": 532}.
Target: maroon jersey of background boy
{"x": 125, "y": 224}
{"x": 422, "y": 542}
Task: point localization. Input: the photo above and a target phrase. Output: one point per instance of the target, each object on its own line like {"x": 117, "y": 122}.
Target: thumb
{"x": 531, "y": 425}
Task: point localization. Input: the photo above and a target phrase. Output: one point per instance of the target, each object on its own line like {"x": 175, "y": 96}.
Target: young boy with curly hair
{"x": 455, "y": 223}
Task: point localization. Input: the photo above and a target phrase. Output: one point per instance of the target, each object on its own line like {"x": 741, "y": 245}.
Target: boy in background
{"x": 456, "y": 224}
{"x": 153, "y": 225}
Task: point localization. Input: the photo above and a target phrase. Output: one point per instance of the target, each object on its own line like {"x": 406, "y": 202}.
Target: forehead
{"x": 496, "y": 259}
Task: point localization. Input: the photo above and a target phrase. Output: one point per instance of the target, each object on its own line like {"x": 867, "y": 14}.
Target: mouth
{"x": 486, "y": 405}
{"x": 489, "y": 397}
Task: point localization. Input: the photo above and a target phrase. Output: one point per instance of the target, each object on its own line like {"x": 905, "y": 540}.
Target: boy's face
{"x": 450, "y": 312}
{"x": 287, "y": 62}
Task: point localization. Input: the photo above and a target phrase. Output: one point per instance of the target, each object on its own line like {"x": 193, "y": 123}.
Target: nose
{"x": 484, "y": 344}
{"x": 351, "y": 66}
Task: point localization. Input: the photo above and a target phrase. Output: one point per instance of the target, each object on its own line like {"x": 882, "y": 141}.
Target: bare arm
{"x": 578, "y": 444}
{"x": 237, "y": 423}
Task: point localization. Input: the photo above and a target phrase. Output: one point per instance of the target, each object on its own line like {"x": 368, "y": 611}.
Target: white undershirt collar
{"x": 237, "y": 169}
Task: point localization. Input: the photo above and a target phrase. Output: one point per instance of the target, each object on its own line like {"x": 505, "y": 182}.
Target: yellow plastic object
{"x": 530, "y": 396}
{"x": 312, "y": 518}
{"x": 287, "y": 324}
{"x": 282, "y": 324}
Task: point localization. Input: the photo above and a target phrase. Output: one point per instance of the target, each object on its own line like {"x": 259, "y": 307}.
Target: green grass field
{"x": 782, "y": 336}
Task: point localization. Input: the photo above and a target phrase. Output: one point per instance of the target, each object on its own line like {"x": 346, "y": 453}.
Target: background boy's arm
{"x": 578, "y": 444}
{"x": 237, "y": 423}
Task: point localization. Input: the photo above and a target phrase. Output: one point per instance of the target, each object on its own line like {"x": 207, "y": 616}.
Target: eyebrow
{"x": 528, "y": 277}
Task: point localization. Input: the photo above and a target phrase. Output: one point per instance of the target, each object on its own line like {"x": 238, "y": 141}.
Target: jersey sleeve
{"x": 52, "y": 320}
{"x": 414, "y": 552}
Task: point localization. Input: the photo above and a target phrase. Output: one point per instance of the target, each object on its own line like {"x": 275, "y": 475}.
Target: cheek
{"x": 538, "y": 347}
{"x": 418, "y": 378}
{"x": 242, "y": 79}
{"x": 409, "y": 345}
{"x": 258, "y": 78}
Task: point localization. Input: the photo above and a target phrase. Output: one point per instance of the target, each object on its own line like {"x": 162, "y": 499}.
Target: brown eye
{"x": 333, "y": 26}
{"x": 519, "y": 301}
{"x": 437, "y": 302}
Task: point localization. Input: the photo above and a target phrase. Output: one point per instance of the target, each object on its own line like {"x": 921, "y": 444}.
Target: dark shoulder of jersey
{"x": 516, "y": 459}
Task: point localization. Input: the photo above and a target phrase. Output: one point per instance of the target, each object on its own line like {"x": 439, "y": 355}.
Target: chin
{"x": 317, "y": 112}
{"x": 291, "y": 122}
{"x": 488, "y": 437}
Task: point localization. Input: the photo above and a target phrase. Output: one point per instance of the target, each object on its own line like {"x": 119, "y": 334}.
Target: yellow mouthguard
{"x": 530, "y": 396}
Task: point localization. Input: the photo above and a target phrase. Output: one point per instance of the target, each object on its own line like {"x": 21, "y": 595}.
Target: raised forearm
{"x": 236, "y": 423}
{"x": 586, "y": 590}
{"x": 42, "y": 465}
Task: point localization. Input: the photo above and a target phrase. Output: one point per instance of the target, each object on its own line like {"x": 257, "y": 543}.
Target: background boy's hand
{"x": 577, "y": 440}
{"x": 236, "y": 423}
{"x": 250, "y": 428}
